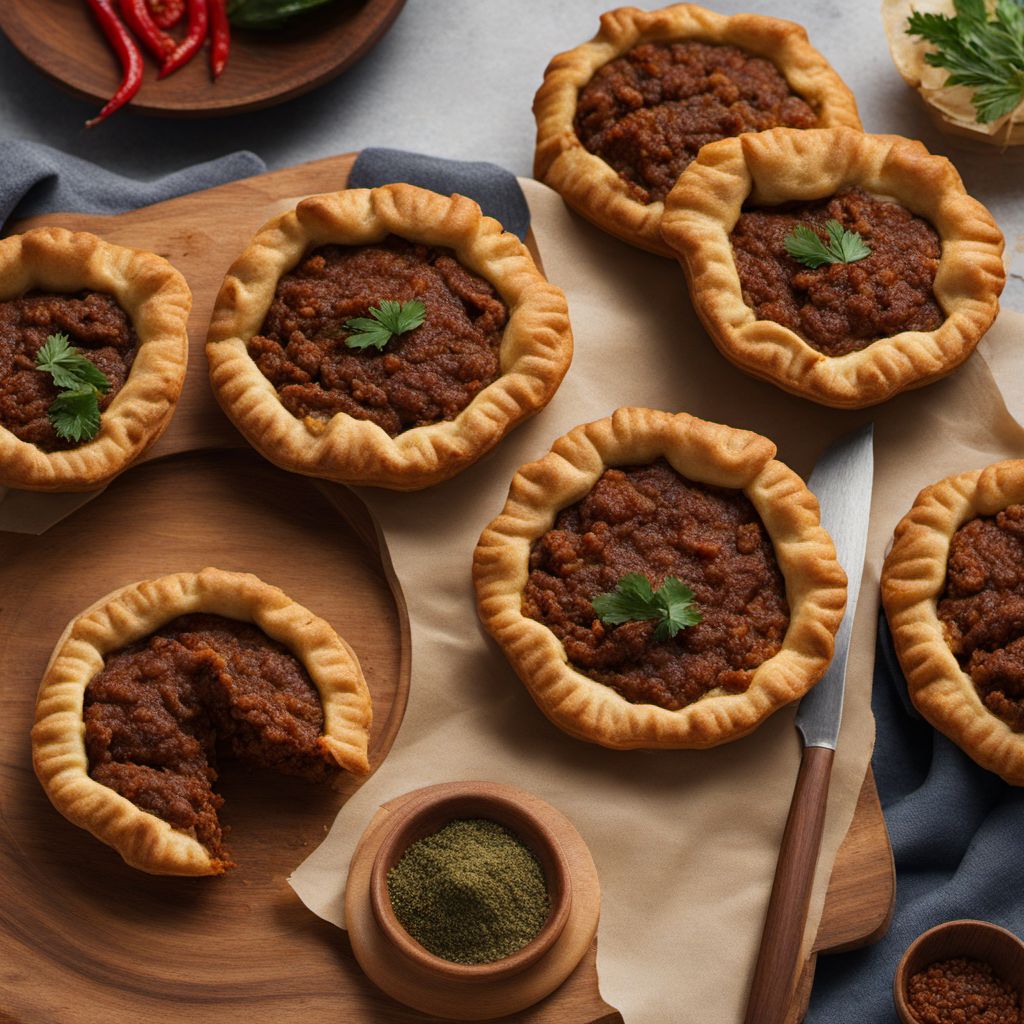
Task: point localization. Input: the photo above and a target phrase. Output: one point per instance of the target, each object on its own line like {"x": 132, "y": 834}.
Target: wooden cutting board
{"x": 85, "y": 939}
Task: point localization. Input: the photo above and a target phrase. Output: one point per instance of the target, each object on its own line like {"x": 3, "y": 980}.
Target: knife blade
{"x": 842, "y": 481}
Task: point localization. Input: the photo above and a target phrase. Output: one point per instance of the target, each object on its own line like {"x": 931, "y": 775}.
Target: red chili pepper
{"x": 140, "y": 21}
{"x": 128, "y": 53}
{"x": 220, "y": 37}
{"x": 166, "y": 13}
{"x": 195, "y": 34}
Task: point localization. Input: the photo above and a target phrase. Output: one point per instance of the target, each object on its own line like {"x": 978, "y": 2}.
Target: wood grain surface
{"x": 777, "y": 970}
{"x": 81, "y": 930}
{"x": 61, "y": 38}
{"x": 83, "y": 938}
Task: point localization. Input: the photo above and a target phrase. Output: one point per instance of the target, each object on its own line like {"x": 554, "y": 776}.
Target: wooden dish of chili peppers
{"x": 182, "y": 64}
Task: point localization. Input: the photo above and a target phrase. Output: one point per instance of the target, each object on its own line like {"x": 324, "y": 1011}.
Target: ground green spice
{"x": 470, "y": 893}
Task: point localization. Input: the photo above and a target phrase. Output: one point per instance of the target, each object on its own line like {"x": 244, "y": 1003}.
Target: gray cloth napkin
{"x": 36, "y": 179}
{"x": 957, "y": 832}
{"x": 494, "y": 188}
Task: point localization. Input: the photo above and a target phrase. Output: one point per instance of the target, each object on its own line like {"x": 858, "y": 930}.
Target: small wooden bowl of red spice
{"x": 961, "y": 972}
{"x": 470, "y": 900}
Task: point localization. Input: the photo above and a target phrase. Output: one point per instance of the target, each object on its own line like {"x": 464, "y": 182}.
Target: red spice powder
{"x": 962, "y": 991}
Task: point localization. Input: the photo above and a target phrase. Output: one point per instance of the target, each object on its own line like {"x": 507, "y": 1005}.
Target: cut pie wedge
{"x": 151, "y": 684}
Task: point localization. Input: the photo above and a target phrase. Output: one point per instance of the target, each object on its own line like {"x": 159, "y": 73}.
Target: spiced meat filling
{"x": 982, "y": 609}
{"x": 648, "y": 112}
{"x": 653, "y": 521}
{"x": 94, "y": 324}
{"x": 841, "y": 307}
{"x": 161, "y": 712}
{"x": 426, "y": 375}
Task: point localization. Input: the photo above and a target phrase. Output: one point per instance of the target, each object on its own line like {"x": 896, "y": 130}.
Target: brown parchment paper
{"x": 685, "y": 841}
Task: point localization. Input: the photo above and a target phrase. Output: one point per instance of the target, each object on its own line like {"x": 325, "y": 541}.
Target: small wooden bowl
{"x": 409, "y": 973}
{"x": 975, "y": 940}
{"x": 421, "y": 818}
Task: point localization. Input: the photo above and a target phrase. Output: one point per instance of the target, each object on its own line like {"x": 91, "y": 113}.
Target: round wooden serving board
{"x": 85, "y": 939}
{"x": 62, "y": 39}
{"x": 83, "y": 930}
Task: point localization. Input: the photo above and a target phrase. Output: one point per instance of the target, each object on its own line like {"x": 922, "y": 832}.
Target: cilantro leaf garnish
{"x": 387, "y": 320}
{"x": 843, "y": 246}
{"x": 75, "y": 415}
{"x": 634, "y": 600}
{"x": 984, "y": 55}
{"x": 68, "y": 367}
{"x": 75, "y": 412}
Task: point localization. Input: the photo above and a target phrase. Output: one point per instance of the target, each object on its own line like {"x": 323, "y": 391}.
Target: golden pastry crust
{"x": 708, "y": 453}
{"x": 782, "y": 165}
{"x": 593, "y": 188}
{"x": 536, "y": 347}
{"x": 132, "y": 613}
{"x": 913, "y": 580}
{"x": 157, "y": 301}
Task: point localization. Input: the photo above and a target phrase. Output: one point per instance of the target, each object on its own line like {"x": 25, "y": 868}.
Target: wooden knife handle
{"x": 777, "y": 969}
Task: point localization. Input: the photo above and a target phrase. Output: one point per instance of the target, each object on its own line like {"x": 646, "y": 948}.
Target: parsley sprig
{"x": 75, "y": 412}
{"x": 385, "y": 321}
{"x": 843, "y": 246}
{"x": 634, "y": 600}
{"x": 984, "y": 55}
